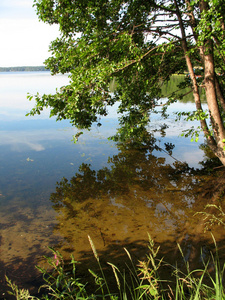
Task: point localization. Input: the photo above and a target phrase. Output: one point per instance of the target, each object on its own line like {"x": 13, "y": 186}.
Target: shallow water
{"x": 55, "y": 193}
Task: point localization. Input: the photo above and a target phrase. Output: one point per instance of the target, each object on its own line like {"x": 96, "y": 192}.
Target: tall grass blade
{"x": 93, "y": 248}
{"x": 114, "y": 268}
{"x": 128, "y": 254}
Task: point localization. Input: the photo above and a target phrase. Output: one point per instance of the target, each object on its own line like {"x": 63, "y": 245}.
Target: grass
{"x": 140, "y": 281}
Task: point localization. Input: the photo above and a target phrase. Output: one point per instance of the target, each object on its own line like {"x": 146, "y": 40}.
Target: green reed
{"x": 137, "y": 282}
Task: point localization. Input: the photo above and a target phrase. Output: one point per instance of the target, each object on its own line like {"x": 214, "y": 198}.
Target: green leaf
{"x": 124, "y": 42}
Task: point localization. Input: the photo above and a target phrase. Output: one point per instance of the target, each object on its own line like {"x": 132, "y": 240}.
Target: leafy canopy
{"x": 122, "y": 51}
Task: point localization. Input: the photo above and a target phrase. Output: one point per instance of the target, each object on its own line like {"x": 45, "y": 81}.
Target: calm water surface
{"x": 54, "y": 192}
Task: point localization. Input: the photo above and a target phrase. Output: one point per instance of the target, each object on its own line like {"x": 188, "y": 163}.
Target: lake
{"x": 54, "y": 193}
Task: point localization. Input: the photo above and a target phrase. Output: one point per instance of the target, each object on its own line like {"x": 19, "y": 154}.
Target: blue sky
{"x": 24, "y": 39}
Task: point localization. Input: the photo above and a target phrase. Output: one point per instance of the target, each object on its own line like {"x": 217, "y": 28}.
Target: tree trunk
{"x": 210, "y": 140}
{"x": 211, "y": 96}
{"x": 212, "y": 87}
{"x": 215, "y": 142}
{"x": 219, "y": 94}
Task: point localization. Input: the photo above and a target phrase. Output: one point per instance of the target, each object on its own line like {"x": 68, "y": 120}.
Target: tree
{"x": 136, "y": 45}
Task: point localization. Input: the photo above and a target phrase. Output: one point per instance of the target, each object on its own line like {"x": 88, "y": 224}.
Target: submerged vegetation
{"x": 141, "y": 281}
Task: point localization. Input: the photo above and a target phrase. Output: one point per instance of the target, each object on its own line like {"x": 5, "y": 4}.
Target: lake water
{"x": 54, "y": 192}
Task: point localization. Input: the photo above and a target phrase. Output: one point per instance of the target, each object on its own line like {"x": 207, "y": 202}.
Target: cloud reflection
{"x": 36, "y": 140}
{"x": 19, "y": 142}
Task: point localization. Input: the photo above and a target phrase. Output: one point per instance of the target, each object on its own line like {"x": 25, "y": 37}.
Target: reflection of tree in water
{"x": 134, "y": 172}
{"x": 181, "y": 83}
{"x": 137, "y": 193}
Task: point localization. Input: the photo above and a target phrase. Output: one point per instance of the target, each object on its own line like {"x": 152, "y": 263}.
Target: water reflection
{"x": 137, "y": 193}
{"x": 114, "y": 193}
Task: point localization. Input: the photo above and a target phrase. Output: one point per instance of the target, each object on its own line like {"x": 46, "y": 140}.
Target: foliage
{"x": 137, "y": 45}
{"x": 62, "y": 282}
{"x": 190, "y": 286}
{"x": 138, "y": 282}
{"x": 20, "y": 294}
{"x": 215, "y": 217}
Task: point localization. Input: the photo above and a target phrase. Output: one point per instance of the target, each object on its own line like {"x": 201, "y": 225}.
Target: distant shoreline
{"x": 23, "y": 69}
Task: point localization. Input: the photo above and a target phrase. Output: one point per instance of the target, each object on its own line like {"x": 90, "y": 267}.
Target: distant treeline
{"x": 23, "y": 69}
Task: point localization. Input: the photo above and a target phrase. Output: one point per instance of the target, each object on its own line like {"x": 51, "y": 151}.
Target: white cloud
{"x": 24, "y": 40}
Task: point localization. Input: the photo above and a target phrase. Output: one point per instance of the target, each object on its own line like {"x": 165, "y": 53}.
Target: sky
{"x": 24, "y": 39}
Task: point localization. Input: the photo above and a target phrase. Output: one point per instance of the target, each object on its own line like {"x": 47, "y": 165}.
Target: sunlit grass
{"x": 141, "y": 281}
